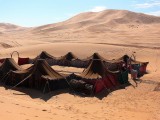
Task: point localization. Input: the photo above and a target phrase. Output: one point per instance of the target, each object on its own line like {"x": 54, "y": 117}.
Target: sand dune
{"x": 7, "y": 27}
{"x": 110, "y": 26}
{"x": 112, "y": 33}
{"x": 108, "y": 17}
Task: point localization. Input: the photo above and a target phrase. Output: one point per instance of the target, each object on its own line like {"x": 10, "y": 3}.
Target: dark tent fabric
{"x": 51, "y": 60}
{"x": 22, "y": 61}
{"x": 7, "y": 65}
{"x": 45, "y": 55}
{"x": 38, "y": 76}
{"x": 71, "y": 60}
{"x": 114, "y": 65}
{"x": 96, "y": 56}
{"x": 141, "y": 67}
{"x": 98, "y": 75}
{"x": 111, "y": 64}
{"x": 123, "y": 77}
{"x": 69, "y": 56}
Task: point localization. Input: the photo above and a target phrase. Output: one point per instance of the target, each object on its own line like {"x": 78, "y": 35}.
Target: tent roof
{"x": 69, "y": 56}
{"x": 9, "y": 64}
{"x": 95, "y": 70}
{"x": 41, "y": 68}
{"x": 95, "y": 56}
{"x": 45, "y": 55}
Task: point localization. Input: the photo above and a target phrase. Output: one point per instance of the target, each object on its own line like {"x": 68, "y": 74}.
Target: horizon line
{"x": 23, "y": 26}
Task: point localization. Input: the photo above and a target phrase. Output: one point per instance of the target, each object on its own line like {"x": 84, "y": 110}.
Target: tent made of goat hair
{"x": 45, "y": 55}
{"x": 39, "y": 76}
{"x": 96, "y": 56}
{"x": 8, "y": 65}
{"x": 51, "y": 60}
{"x": 98, "y": 75}
{"x": 141, "y": 67}
{"x": 69, "y": 56}
{"x": 71, "y": 60}
{"x": 110, "y": 64}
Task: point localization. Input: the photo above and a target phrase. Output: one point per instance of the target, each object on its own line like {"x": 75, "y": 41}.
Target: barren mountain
{"x": 7, "y": 27}
{"x": 101, "y": 20}
{"x": 105, "y": 27}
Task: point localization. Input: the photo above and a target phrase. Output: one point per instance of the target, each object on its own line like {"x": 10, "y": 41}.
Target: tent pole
{"x": 5, "y": 76}
{"x": 49, "y": 88}
{"x": 21, "y": 81}
{"x": 44, "y": 88}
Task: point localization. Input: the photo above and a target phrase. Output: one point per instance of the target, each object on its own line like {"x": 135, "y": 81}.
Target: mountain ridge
{"x": 88, "y": 20}
{"x": 8, "y": 27}
{"x": 107, "y": 17}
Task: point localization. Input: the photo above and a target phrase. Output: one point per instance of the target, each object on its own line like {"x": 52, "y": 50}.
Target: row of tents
{"x": 68, "y": 59}
{"x": 72, "y": 60}
{"x": 98, "y": 74}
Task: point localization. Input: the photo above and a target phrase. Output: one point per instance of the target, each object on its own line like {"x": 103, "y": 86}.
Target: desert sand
{"x": 112, "y": 33}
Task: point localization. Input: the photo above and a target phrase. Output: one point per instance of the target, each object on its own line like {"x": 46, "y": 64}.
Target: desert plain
{"x": 111, "y": 33}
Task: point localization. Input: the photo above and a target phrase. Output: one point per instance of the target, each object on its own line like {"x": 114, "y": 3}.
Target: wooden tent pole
{"x": 4, "y": 76}
{"x": 21, "y": 81}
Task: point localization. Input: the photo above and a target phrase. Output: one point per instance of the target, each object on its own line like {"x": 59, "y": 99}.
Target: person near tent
{"x": 133, "y": 71}
{"x": 124, "y": 67}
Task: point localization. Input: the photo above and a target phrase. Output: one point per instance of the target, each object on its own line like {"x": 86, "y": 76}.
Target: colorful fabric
{"x": 22, "y": 61}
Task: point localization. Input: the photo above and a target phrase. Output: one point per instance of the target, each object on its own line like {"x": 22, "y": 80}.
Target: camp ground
{"x": 90, "y": 75}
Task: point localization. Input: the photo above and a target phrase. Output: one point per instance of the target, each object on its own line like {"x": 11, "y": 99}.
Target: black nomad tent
{"x": 110, "y": 64}
{"x": 39, "y": 76}
{"x": 71, "y": 60}
{"x": 8, "y": 65}
{"x": 51, "y": 60}
{"x": 100, "y": 77}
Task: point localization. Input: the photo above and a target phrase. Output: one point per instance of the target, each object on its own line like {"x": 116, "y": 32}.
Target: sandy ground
{"x": 140, "y": 103}
{"x": 131, "y": 103}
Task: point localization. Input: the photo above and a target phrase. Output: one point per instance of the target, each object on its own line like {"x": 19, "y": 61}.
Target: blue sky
{"x": 29, "y": 13}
